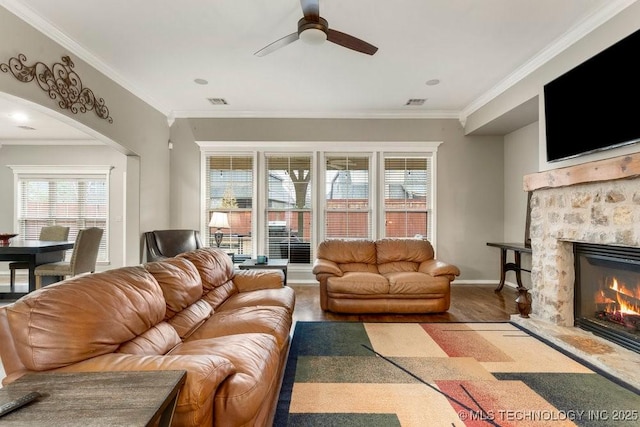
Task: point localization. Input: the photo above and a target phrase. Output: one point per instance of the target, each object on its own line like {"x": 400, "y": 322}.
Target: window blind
{"x": 347, "y": 184}
{"x": 230, "y": 183}
{"x": 407, "y": 196}
{"x": 74, "y": 202}
{"x": 289, "y": 214}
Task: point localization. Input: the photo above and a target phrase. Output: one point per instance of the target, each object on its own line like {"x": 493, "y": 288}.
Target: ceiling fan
{"x": 315, "y": 29}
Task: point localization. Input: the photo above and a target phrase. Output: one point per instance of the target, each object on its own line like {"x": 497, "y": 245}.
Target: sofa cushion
{"x": 275, "y": 321}
{"x": 180, "y": 283}
{"x": 255, "y": 358}
{"x": 84, "y": 317}
{"x": 190, "y": 319}
{"x": 282, "y": 297}
{"x": 214, "y": 265}
{"x": 411, "y": 250}
{"x": 158, "y": 340}
{"x": 409, "y": 282}
{"x": 256, "y": 279}
{"x": 220, "y": 294}
{"x": 361, "y": 283}
{"x": 348, "y": 251}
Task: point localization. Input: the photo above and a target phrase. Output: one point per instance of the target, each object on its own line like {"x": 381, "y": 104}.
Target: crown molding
{"x": 51, "y": 31}
{"x": 55, "y": 142}
{"x": 606, "y": 12}
{"x": 219, "y": 114}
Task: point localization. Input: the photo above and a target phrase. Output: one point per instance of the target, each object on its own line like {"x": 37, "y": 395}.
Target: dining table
{"x": 34, "y": 253}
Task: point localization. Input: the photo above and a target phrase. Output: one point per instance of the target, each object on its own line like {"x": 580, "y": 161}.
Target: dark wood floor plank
{"x": 469, "y": 303}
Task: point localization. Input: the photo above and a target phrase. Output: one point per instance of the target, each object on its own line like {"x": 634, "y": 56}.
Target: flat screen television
{"x": 596, "y": 105}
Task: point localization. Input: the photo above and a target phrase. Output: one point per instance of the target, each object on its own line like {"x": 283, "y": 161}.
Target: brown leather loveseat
{"x": 228, "y": 329}
{"x": 383, "y": 276}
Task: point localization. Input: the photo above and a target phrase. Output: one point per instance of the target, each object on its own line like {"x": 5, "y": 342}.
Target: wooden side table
{"x": 138, "y": 398}
{"x": 516, "y": 265}
{"x": 272, "y": 264}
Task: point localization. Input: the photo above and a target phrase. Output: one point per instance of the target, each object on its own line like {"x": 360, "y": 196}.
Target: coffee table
{"x": 272, "y": 264}
{"x": 137, "y": 398}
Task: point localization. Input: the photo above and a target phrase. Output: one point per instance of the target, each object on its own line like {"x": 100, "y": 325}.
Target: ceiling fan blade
{"x": 277, "y": 44}
{"x": 350, "y": 42}
{"x": 310, "y": 9}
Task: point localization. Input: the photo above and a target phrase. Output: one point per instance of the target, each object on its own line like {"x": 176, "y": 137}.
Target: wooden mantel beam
{"x": 600, "y": 170}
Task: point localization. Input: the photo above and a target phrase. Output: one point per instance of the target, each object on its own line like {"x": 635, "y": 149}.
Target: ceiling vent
{"x": 217, "y": 101}
{"x": 416, "y": 101}
{"x": 25, "y": 127}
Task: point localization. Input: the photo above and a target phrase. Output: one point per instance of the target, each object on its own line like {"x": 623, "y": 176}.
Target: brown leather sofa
{"x": 383, "y": 276}
{"x": 228, "y": 329}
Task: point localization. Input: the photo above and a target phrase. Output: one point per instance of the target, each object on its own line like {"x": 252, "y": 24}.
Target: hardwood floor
{"x": 469, "y": 303}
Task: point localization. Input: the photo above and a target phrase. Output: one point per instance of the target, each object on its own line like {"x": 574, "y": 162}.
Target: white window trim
{"x": 75, "y": 171}
{"x": 377, "y": 149}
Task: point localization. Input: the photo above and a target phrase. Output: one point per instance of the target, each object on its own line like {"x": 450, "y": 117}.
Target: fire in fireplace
{"x": 607, "y": 292}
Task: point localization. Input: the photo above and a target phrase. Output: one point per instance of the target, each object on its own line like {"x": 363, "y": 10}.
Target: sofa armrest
{"x": 204, "y": 372}
{"x": 256, "y": 279}
{"x": 436, "y": 268}
{"x": 324, "y": 266}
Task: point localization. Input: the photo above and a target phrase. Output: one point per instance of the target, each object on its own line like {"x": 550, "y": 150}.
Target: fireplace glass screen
{"x": 608, "y": 292}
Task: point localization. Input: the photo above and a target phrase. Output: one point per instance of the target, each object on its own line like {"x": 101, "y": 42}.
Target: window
{"x": 76, "y": 197}
{"x": 407, "y": 197}
{"x": 283, "y": 198}
{"x": 230, "y": 186}
{"x": 289, "y": 214}
{"x": 347, "y": 207}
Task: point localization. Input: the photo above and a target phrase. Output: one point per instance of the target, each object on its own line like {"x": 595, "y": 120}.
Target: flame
{"x": 627, "y": 308}
{"x": 634, "y": 293}
{"x": 619, "y": 305}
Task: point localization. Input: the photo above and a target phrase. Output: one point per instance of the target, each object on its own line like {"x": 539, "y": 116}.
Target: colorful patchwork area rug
{"x": 442, "y": 374}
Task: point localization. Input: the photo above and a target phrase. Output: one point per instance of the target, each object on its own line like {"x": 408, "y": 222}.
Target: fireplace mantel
{"x": 602, "y": 170}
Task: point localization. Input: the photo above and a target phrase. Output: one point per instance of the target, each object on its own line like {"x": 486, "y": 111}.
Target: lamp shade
{"x": 219, "y": 220}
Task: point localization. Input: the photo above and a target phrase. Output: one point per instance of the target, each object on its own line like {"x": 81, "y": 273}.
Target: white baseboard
{"x": 482, "y": 282}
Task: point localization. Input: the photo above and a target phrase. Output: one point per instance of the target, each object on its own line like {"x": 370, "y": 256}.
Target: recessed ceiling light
{"x": 432, "y": 82}
{"x": 201, "y": 81}
{"x": 19, "y": 117}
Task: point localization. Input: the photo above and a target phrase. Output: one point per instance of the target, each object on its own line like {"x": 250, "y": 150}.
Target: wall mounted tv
{"x": 596, "y": 105}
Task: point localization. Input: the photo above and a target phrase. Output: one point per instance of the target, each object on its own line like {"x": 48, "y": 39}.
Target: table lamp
{"x": 219, "y": 220}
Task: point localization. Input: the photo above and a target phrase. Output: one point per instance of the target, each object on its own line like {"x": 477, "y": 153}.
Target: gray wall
{"x": 137, "y": 128}
{"x": 520, "y": 158}
{"x": 610, "y": 32}
{"x": 68, "y": 155}
{"x": 470, "y": 173}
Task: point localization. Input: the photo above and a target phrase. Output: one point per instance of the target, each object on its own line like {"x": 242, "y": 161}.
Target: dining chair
{"x": 49, "y": 233}
{"x": 83, "y": 257}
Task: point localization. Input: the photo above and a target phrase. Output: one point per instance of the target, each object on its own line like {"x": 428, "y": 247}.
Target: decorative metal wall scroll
{"x": 61, "y": 82}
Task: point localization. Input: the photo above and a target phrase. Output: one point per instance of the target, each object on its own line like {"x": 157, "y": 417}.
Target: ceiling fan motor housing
{"x": 316, "y": 29}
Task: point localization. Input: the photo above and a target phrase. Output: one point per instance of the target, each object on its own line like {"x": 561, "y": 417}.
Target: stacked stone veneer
{"x": 602, "y": 213}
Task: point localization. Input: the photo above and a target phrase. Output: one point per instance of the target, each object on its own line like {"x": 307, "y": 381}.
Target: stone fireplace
{"x": 594, "y": 203}
{"x": 605, "y": 213}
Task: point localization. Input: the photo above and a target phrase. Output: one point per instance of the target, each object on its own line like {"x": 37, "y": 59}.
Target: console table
{"x": 515, "y": 266}
{"x": 137, "y": 398}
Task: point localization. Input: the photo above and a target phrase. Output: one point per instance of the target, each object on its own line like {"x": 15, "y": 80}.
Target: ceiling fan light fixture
{"x": 313, "y": 36}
